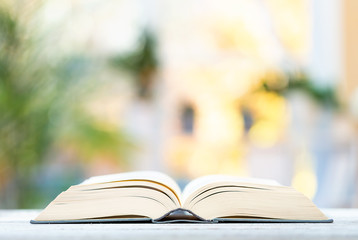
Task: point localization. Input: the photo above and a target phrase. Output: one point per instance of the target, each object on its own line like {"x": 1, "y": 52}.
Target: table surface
{"x": 14, "y": 224}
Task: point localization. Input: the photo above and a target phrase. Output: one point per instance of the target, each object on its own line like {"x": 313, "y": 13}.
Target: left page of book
{"x": 153, "y": 176}
{"x": 124, "y": 195}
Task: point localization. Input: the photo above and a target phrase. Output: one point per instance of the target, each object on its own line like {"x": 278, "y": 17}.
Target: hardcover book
{"x": 153, "y": 197}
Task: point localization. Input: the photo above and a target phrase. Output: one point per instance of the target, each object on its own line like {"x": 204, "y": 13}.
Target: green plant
{"x": 300, "y": 81}
{"x": 141, "y": 63}
{"x": 41, "y": 111}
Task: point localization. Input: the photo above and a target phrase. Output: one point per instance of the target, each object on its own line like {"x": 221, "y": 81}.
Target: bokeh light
{"x": 251, "y": 88}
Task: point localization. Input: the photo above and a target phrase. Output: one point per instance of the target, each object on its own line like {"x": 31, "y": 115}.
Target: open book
{"x": 155, "y": 197}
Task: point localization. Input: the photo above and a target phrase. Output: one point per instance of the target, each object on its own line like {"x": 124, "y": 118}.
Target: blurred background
{"x": 260, "y": 88}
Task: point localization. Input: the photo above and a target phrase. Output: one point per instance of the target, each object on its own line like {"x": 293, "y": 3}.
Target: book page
{"x": 138, "y": 175}
{"x": 205, "y": 180}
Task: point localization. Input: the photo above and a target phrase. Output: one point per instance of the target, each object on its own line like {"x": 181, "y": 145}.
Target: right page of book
{"x": 201, "y": 182}
{"x": 221, "y": 196}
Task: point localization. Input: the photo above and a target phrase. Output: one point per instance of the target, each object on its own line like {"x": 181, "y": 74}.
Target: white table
{"x": 14, "y": 224}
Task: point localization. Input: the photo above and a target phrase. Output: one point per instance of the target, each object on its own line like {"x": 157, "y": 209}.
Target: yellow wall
{"x": 350, "y": 48}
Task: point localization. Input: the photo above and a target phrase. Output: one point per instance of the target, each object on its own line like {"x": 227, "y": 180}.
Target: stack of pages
{"x": 155, "y": 197}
